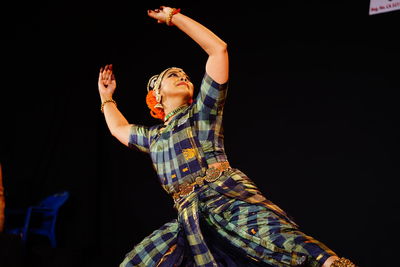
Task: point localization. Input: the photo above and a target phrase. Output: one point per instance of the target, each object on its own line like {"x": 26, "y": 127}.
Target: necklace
{"x": 172, "y": 113}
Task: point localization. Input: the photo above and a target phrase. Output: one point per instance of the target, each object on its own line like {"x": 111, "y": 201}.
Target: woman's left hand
{"x": 160, "y": 14}
{"x": 106, "y": 82}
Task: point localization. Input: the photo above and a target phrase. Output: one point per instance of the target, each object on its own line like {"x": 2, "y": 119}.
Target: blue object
{"x": 46, "y": 223}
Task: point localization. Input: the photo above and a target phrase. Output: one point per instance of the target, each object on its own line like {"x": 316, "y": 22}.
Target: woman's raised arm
{"x": 217, "y": 66}
{"x": 116, "y": 122}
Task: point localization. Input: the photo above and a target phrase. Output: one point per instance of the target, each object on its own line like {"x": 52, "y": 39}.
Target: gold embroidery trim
{"x": 189, "y": 153}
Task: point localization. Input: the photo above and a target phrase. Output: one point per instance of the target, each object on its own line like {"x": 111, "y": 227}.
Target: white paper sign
{"x": 380, "y": 6}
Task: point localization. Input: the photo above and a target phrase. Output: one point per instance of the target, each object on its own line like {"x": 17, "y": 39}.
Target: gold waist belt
{"x": 212, "y": 174}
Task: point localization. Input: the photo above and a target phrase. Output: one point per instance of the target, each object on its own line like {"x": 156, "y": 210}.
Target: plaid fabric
{"x": 258, "y": 234}
{"x": 191, "y": 141}
{"x": 232, "y": 206}
{"x": 257, "y": 229}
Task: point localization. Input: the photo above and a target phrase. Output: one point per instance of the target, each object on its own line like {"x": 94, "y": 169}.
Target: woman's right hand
{"x": 160, "y": 14}
{"x": 107, "y": 82}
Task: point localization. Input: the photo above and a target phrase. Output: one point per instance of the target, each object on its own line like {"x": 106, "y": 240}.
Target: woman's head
{"x": 170, "y": 87}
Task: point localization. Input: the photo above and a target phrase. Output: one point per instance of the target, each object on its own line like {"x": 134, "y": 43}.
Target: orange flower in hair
{"x": 151, "y": 101}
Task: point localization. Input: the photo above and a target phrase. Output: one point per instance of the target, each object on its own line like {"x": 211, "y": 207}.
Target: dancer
{"x": 223, "y": 219}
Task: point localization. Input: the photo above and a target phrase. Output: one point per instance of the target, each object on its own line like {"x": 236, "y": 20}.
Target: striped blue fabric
{"x": 192, "y": 140}
{"x": 232, "y": 208}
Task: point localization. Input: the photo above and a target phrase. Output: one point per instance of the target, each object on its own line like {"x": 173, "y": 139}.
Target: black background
{"x": 311, "y": 117}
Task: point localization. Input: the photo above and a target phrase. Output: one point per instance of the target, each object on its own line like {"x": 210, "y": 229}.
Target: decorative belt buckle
{"x": 199, "y": 181}
{"x": 185, "y": 189}
{"x": 212, "y": 174}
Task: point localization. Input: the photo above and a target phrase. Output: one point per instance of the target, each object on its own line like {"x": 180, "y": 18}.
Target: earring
{"x": 158, "y": 99}
{"x": 158, "y": 96}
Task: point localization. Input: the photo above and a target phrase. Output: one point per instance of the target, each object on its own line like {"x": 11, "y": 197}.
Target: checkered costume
{"x": 227, "y": 222}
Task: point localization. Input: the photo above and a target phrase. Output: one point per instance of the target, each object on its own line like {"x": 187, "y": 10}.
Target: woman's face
{"x": 176, "y": 83}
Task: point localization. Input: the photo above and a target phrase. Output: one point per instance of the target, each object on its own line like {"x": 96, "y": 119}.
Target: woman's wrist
{"x": 104, "y": 97}
{"x": 103, "y": 103}
{"x": 170, "y": 16}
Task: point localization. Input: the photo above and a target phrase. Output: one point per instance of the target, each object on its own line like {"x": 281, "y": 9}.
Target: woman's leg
{"x": 243, "y": 221}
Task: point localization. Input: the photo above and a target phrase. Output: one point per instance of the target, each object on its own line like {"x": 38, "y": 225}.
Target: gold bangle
{"x": 169, "y": 18}
{"x": 105, "y": 102}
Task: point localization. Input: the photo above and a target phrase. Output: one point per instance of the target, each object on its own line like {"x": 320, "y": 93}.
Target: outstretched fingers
{"x": 106, "y": 75}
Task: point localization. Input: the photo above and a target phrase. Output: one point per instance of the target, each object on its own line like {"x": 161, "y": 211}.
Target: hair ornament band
{"x": 154, "y": 82}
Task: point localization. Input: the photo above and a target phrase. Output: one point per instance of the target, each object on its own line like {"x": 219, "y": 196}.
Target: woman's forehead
{"x": 176, "y": 70}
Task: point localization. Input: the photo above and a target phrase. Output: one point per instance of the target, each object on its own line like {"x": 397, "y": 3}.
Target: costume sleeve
{"x": 211, "y": 97}
{"x": 139, "y": 138}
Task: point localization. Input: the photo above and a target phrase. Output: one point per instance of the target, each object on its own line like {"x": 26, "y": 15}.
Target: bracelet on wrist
{"x": 105, "y": 102}
{"x": 172, "y": 13}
